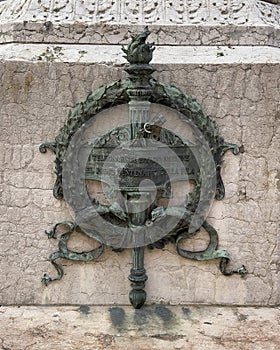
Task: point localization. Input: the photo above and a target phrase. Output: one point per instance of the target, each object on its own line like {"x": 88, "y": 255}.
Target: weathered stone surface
{"x": 155, "y": 327}
{"x": 242, "y": 98}
{"x": 176, "y": 22}
{"x": 58, "y": 51}
{"x": 109, "y": 54}
{"x": 99, "y": 33}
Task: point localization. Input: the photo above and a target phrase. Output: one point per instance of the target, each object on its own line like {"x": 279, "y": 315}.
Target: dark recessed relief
{"x": 272, "y": 1}
{"x": 164, "y": 313}
{"x": 117, "y": 315}
{"x": 84, "y": 309}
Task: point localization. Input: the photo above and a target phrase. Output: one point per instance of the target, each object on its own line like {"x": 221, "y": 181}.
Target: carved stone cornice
{"x": 102, "y": 22}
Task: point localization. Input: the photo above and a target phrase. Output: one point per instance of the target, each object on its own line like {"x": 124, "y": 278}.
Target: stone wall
{"x": 241, "y": 97}
{"x": 234, "y": 72}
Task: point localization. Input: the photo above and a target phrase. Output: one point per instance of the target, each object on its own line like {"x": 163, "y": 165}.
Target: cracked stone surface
{"x": 111, "y": 34}
{"x": 174, "y": 22}
{"x": 242, "y": 98}
{"x": 231, "y": 66}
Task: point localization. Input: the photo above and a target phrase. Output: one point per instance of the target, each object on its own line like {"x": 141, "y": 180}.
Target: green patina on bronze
{"x": 138, "y": 51}
{"x": 140, "y": 86}
{"x": 116, "y": 94}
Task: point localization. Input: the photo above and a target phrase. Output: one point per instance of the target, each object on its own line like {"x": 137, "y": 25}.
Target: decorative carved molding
{"x": 142, "y": 12}
{"x": 268, "y": 12}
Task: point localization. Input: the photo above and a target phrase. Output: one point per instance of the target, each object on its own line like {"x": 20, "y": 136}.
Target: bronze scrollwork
{"x": 134, "y": 223}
